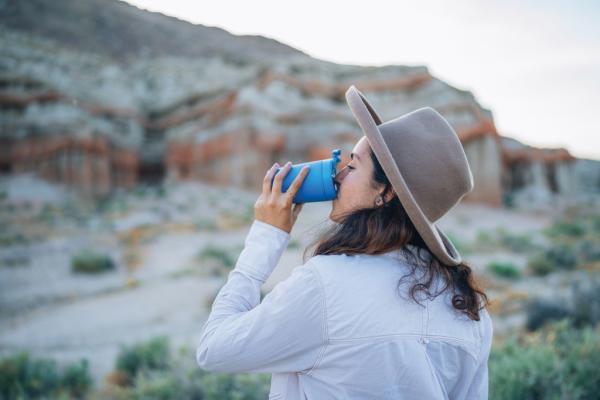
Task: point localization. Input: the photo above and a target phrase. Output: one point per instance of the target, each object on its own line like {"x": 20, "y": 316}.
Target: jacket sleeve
{"x": 479, "y": 388}
{"x": 283, "y": 333}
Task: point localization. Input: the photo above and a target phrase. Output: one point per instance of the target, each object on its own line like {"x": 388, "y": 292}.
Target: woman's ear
{"x": 390, "y": 195}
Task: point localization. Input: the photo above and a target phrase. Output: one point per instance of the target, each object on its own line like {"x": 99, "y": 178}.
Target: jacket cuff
{"x": 263, "y": 249}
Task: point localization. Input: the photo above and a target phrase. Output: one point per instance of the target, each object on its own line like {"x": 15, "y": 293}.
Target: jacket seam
{"x": 418, "y": 337}
{"x": 433, "y": 371}
{"x": 426, "y": 311}
{"x": 414, "y": 335}
{"x": 325, "y": 323}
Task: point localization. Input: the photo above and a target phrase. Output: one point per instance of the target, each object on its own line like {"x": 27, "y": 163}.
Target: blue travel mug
{"x": 318, "y": 184}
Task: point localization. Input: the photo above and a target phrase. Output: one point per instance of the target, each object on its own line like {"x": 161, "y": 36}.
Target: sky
{"x": 535, "y": 64}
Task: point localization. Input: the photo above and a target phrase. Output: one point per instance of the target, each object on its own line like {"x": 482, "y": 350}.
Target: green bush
{"x": 540, "y": 265}
{"x": 586, "y": 302}
{"x": 570, "y": 228}
{"x": 589, "y": 250}
{"x": 158, "y": 374}
{"x": 518, "y": 371}
{"x": 8, "y": 238}
{"x": 582, "y": 308}
{"x": 225, "y": 259}
{"x": 519, "y": 243}
{"x": 159, "y": 385}
{"x": 485, "y": 241}
{"x": 504, "y": 269}
{"x": 223, "y": 256}
{"x": 146, "y": 356}
{"x": 24, "y": 377}
{"x": 560, "y": 362}
{"x": 501, "y": 238}
{"x": 562, "y": 256}
{"x": 89, "y": 262}
{"x": 216, "y": 386}
{"x": 559, "y": 256}
{"x": 539, "y": 312}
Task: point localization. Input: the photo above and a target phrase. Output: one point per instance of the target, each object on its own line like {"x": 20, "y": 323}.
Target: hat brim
{"x": 439, "y": 244}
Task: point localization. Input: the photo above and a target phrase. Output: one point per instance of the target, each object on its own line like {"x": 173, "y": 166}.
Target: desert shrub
{"x": 539, "y": 312}
{"x": 196, "y": 383}
{"x": 159, "y": 385}
{"x": 579, "y": 352}
{"x": 589, "y": 250}
{"x": 586, "y": 302}
{"x": 540, "y": 265}
{"x": 485, "y": 241}
{"x": 559, "y": 256}
{"x": 501, "y": 238}
{"x": 146, "y": 356}
{"x": 582, "y": 307}
{"x": 562, "y": 256}
{"x": 22, "y": 376}
{"x": 222, "y": 260}
{"x": 504, "y": 269}
{"x": 221, "y": 255}
{"x": 164, "y": 375}
{"x": 579, "y": 230}
{"x": 88, "y": 261}
{"x": 77, "y": 378}
{"x": 8, "y": 238}
{"x": 573, "y": 228}
{"x": 519, "y": 243}
{"x": 557, "y": 363}
{"x": 216, "y": 386}
{"x": 518, "y": 371}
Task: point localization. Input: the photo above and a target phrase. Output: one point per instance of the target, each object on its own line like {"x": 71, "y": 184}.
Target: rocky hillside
{"x": 102, "y": 95}
{"x": 125, "y": 33}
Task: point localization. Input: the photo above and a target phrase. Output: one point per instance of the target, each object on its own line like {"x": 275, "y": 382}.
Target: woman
{"x": 385, "y": 308}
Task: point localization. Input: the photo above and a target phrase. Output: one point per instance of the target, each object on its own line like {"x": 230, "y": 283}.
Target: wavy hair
{"x": 377, "y": 230}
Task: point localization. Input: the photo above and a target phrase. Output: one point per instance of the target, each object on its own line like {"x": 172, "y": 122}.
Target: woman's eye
{"x": 350, "y": 167}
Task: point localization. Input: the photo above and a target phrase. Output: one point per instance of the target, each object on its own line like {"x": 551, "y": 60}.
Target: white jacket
{"x": 337, "y": 329}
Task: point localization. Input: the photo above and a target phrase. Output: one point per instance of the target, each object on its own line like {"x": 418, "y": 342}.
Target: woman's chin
{"x": 332, "y": 215}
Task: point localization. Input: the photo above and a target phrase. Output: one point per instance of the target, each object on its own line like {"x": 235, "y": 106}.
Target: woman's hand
{"x": 274, "y": 207}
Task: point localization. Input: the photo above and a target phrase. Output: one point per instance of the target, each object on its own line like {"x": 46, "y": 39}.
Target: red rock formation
{"x": 90, "y": 164}
{"x": 238, "y": 157}
{"x": 241, "y": 156}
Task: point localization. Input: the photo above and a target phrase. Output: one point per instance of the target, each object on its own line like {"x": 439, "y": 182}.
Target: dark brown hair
{"x": 386, "y": 228}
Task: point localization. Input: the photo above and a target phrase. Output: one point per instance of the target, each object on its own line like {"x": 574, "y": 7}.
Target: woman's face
{"x": 355, "y": 182}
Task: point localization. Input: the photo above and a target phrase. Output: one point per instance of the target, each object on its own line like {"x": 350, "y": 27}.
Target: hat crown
{"x": 431, "y": 159}
{"x": 425, "y": 162}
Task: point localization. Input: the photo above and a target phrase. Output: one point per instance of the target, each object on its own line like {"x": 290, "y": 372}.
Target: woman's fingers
{"x": 266, "y": 187}
{"x": 276, "y": 190}
{"x": 295, "y": 186}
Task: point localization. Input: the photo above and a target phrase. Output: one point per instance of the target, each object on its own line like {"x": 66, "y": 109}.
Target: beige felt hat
{"x": 424, "y": 161}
